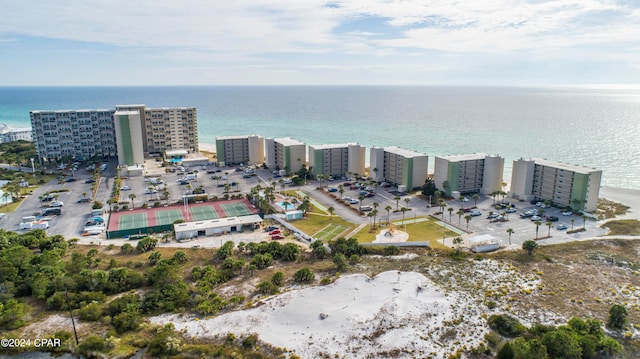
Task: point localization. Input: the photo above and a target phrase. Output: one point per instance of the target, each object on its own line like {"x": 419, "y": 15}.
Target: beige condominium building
{"x": 166, "y": 129}
{"x": 469, "y": 173}
{"x": 337, "y": 160}
{"x": 398, "y": 166}
{"x": 285, "y": 154}
{"x": 563, "y": 184}
{"x": 82, "y": 134}
{"x": 234, "y": 150}
{"x": 78, "y": 134}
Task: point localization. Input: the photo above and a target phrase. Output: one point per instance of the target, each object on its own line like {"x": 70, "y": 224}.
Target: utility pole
{"x": 73, "y": 322}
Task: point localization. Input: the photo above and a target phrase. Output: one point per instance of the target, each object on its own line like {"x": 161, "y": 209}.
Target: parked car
{"x": 346, "y": 198}
{"x": 353, "y": 201}
{"x": 536, "y": 218}
{"x": 475, "y": 213}
{"x": 552, "y": 218}
{"x": 56, "y": 204}
{"x": 150, "y": 191}
{"x": 567, "y": 213}
{"x": 84, "y": 200}
{"x": 70, "y": 179}
{"x": 90, "y": 180}
{"x": 270, "y": 228}
{"x": 493, "y": 216}
{"x": 277, "y": 236}
{"x": 274, "y": 232}
{"x": 366, "y": 208}
{"x": 561, "y": 227}
{"x": 466, "y": 210}
{"x": 511, "y": 210}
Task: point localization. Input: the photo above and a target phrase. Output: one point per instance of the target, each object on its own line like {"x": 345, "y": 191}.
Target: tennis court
{"x": 329, "y": 232}
{"x": 167, "y": 216}
{"x": 202, "y": 213}
{"x": 237, "y": 209}
{"x": 132, "y": 220}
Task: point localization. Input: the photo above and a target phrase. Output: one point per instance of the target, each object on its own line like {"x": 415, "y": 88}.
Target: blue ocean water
{"x": 595, "y": 128}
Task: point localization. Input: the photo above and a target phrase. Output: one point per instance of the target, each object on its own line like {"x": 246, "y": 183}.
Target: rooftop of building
{"x": 239, "y": 137}
{"x": 403, "y": 152}
{"x": 564, "y": 166}
{"x": 288, "y": 141}
{"x": 330, "y": 146}
{"x": 465, "y": 157}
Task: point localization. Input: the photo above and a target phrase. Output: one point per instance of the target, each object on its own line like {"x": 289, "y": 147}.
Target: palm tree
{"x": 450, "y": 209}
{"x": 549, "y": 224}
{"x": 461, "y": 199}
{"x": 286, "y": 205}
{"x": 468, "y": 219}
{"x": 361, "y": 198}
{"x": 442, "y": 204}
{"x": 510, "y": 231}
{"x": 403, "y": 210}
{"x": 331, "y": 210}
{"x": 388, "y": 209}
{"x": 457, "y": 241}
{"x": 494, "y": 194}
{"x": 282, "y": 185}
{"x": 341, "y": 190}
{"x": 460, "y": 213}
{"x": 84, "y": 194}
{"x": 537, "y": 223}
{"x": 572, "y": 220}
{"x": 397, "y": 199}
{"x": 584, "y": 221}
{"x": 475, "y": 197}
{"x": 375, "y": 215}
{"x": 407, "y": 200}
{"x": 132, "y": 197}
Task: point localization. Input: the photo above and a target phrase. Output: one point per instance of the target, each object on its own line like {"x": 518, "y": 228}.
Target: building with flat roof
{"x": 8, "y": 134}
{"x": 82, "y": 134}
{"x": 79, "y": 134}
{"x": 166, "y": 128}
{"x": 337, "y": 160}
{"x": 235, "y": 150}
{"x": 398, "y": 166}
{"x": 563, "y": 184}
{"x": 469, "y": 173}
{"x": 285, "y": 154}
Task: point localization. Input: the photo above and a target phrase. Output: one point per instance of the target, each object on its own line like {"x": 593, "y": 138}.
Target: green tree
{"x": 318, "y": 250}
{"x": 267, "y": 287}
{"x": 340, "y": 261}
{"x": 388, "y": 209}
{"x": 225, "y": 251}
{"x": 510, "y": 231}
{"x": 397, "y": 199}
{"x": 132, "y": 197}
{"x": 331, "y": 210}
{"x": 180, "y": 257}
{"x": 126, "y": 248}
{"x": 278, "y": 278}
{"x": 617, "y": 316}
{"x": 468, "y": 219}
{"x": 154, "y": 257}
{"x": 530, "y": 246}
{"x": 429, "y": 187}
{"x": 549, "y": 224}
{"x": 304, "y": 275}
{"x": 537, "y": 223}
{"x": 457, "y": 242}
{"x": 562, "y": 343}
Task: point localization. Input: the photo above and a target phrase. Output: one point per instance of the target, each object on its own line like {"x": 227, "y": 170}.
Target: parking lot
{"x": 74, "y": 215}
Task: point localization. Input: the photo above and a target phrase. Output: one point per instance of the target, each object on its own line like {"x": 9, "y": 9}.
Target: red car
{"x": 274, "y": 232}
{"x": 277, "y": 236}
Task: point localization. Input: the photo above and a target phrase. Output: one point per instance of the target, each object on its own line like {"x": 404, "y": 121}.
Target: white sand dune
{"x": 399, "y": 314}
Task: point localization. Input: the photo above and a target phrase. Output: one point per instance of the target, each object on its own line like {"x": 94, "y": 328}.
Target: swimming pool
{"x": 288, "y": 207}
{"x": 176, "y": 160}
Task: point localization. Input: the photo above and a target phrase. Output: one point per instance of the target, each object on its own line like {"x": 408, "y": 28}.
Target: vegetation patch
{"x": 623, "y": 227}
{"x": 610, "y": 209}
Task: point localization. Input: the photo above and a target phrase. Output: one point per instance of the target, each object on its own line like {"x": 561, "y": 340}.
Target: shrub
{"x": 154, "y": 257}
{"x": 617, "y": 317}
{"x": 506, "y": 325}
{"x": 266, "y": 287}
{"x": 304, "y": 275}
{"x": 126, "y": 248}
{"x": 92, "y": 343}
{"x": 391, "y": 251}
{"x": 180, "y": 257}
{"x": 91, "y": 312}
{"x": 278, "y": 278}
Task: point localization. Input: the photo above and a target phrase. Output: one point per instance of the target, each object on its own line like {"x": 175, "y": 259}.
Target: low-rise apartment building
{"x": 285, "y": 154}
{"x": 234, "y": 150}
{"x": 337, "y": 160}
{"x": 469, "y": 173}
{"x": 398, "y": 166}
{"x": 560, "y": 183}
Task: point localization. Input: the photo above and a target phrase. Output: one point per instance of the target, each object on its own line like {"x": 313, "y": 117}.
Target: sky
{"x": 320, "y": 42}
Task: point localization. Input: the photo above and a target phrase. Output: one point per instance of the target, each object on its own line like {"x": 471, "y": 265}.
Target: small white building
{"x": 214, "y": 227}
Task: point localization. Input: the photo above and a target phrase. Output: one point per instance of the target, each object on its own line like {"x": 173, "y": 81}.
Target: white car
{"x": 567, "y": 213}
{"x": 536, "y": 218}
{"x": 150, "y": 191}
{"x": 125, "y": 188}
{"x": 346, "y": 198}
{"x": 56, "y": 204}
{"x": 354, "y": 201}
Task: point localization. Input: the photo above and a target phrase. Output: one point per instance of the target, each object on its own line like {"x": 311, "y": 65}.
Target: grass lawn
{"x": 315, "y": 222}
{"x": 418, "y": 232}
{"x": 627, "y": 227}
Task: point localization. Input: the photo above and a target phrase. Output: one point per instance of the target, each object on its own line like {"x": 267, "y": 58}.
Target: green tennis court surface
{"x": 134, "y": 220}
{"x": 329, "y": 232}
{"x": 202, "y": 213}
{"x": 167, "y": 216}
{"x": 235, "y": 209}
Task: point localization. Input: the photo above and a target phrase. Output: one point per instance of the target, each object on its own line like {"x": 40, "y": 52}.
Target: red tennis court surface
{"x": 220, "y": 209}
